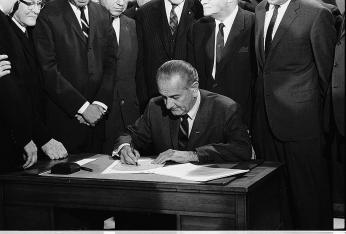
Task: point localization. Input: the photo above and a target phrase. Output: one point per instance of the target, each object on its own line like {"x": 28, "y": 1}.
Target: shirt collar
{"x": 75, "y": 8}
{"x": 271, "y": 6}
{"x": 193, "y": 112}
{"x": 21, "y": 27}
{"x": 228, "y": 22}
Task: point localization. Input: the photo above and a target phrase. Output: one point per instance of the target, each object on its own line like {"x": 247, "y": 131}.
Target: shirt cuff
{"x": 83, "y": 108}
{"x": 115, "y": 152}
{"x": 101, "y": 104}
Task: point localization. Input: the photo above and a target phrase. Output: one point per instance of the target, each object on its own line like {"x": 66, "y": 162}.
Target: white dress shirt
{"x": 281, "y": 11}
{"x": 178, "y": 9}
{"x": 77, "y": 12}
{"x": 116, "y": 27}
{"x": 228, "y": 22}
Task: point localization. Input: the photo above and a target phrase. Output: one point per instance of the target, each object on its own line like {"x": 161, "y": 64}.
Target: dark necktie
{"x": 219, "y": 43}
{"x": 85, "y": 24}
{"x": 183, "y": 135}
{"x": 268, "y": 41}
{"x": 173, "y": 19}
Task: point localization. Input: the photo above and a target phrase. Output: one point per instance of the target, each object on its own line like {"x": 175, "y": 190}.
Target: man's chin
{"x": 176, "y": 112}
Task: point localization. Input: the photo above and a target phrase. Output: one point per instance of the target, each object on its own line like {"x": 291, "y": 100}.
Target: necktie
{"x": 183, "y": 135}
{"x": 268, "y": 41}
{"x": 85, "y": 24}
{"x": 173, "y": 19}
{"x": 219, "y": 43}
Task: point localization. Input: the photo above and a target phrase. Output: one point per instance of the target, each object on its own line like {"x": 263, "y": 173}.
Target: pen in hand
{"x": 134, "y": 153}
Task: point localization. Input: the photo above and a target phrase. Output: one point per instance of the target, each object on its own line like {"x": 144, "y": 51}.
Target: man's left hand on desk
{"x": 176, "y": 156}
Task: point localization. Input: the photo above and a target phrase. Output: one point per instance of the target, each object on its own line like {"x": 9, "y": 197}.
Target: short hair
{"x": 184, "y": 69}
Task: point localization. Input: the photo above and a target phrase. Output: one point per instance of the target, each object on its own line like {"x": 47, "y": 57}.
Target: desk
{"x": 30, "y": 202}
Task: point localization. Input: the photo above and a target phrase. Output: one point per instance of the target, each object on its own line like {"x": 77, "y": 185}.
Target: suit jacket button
{"x": 335, "y": 64}
{"x": 122, "y": 102}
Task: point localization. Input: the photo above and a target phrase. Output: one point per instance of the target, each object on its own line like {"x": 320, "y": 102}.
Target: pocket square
{"x": 243, "y": 49}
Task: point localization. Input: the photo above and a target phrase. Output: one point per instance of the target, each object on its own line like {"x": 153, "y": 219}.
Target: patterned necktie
{"x": 85, "y": 24}
{"x": 219, "y": 43}
{"x": 268, "y": 41}
{"x": 173, "y": 19}
{"x": 183, "y": 135}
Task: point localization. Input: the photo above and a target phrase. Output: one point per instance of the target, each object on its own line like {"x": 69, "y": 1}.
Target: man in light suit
{"x": 162, "y": 27}
{"x": 22, "y": 132}
{"x": 125, "y": 109}
{"x": 186, "y": 124}
{"x": 294, "y": 48}
{"x": 75, "y": 40}
{"x": 221, "y": 47}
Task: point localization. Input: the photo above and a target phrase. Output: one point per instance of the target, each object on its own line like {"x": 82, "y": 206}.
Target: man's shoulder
{"x": 151, "y": 5}
{"x": 217, "y": 100}
{"x": 53, "y": 7}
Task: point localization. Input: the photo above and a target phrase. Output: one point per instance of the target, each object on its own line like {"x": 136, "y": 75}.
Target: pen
{"x": 86, "y": 169}
{"x": 133, "y": 151}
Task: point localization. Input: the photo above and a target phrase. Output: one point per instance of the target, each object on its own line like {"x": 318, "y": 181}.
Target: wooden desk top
{"x": 145, "y": 181}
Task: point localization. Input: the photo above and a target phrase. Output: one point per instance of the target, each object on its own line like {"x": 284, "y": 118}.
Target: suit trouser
{"x": 306, "y": 202}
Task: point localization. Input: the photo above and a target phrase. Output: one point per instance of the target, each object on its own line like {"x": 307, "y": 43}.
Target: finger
{"x": 5, "y": 66}
{"x": 33, "y": 160}
{"x": 3, "y": 56}
{"x": 3, "y": 73}
{"x": 130, "y": 158}
{"x": 136, "y": 153}
{"x": 27, "y": 162}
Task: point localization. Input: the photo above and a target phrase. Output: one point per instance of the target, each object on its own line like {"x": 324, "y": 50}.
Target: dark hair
{"x": 184, "y": 69}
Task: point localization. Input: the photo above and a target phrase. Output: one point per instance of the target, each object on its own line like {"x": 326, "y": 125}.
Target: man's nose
{"x": 169, "y": 103}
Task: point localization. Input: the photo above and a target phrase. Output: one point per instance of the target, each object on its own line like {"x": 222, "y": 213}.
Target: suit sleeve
{"x": 236, "y": 147}
{"x": 139, "y": 134}
{"x": 17, "y": 115}
{"x": 105, "y": 93}
{"x": 323, "y": 39}
{"x": 59, "y": 89}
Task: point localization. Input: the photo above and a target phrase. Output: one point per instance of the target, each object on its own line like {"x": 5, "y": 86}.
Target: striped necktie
{"x": 173, "y": 19}
{"x": 85, "y": 24}
{"x": 183, "y": 134}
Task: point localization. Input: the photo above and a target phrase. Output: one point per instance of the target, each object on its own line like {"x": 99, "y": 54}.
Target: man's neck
{"x": 225, "y": 13}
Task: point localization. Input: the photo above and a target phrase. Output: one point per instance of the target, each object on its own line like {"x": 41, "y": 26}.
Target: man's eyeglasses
{"x": 32, "y": 4}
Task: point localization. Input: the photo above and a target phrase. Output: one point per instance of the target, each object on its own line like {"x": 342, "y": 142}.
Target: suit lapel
{"x": 164, "y": 26}
{"x": 233, "y": 40}
{"x": 124, "y": 31}
{"x": 186, "y": 17}
{"x": 201, "y": 121}
{"x": 174, "y": 123}
{"x": 210, "y": 44}
{"x": 261, "y": 12}
{"x": 92, "y": 23}
{"x": 71, "y": 20}
{"x": 289, "y": 16}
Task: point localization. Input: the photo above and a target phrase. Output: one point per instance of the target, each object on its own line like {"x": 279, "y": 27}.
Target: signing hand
{"x": 30, "y": 154}
{"x": 5, "y": 65}
{"x": 54, "y": 149}
{"x": 92, "y": 114}
{"x": 176, "y": 156}
{"x": 129, "y": 155}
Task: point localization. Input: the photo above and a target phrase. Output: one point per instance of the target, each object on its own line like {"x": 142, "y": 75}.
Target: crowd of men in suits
{"x": 78, "y": 76}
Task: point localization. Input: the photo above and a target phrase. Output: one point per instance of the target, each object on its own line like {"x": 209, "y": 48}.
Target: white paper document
{"x": 193, "y": 172}
{"x": 144, "y": 166}
{"x": 185, "y": 171}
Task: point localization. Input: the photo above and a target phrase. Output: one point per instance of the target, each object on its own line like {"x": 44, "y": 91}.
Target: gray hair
{"x": 184, "y": 69}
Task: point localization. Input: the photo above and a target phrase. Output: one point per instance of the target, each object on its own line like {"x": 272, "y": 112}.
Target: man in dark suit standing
{"x": 162, "y": 27}
{"x": 22, "y": 129}
{"x": 125, "y": 109}
{"x": 75, "y": 44}
{"x": 221, "y": 47}
{"x": 294, "y": 47}
{"x": 186, "y": 124}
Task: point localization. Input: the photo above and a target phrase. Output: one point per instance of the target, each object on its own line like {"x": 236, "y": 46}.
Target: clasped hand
{"x": 54, "y": 149}
{"x": 92, "y": 114}
{"x": 5, "y": 65}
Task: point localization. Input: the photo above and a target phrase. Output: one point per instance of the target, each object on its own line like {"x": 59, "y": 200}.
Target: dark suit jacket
{"x": 75, "y": 69}
{"x": 236, "y": 72}
{"x": 293, "y": 79}
{"x": 19, "y": 96}
{"x": 131, "y": 11}
{"x": 338, "y": 82}
{"x": 125, "y": 109}
{"x": 218, "y": 133}
{"x": 156, "y": 45}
